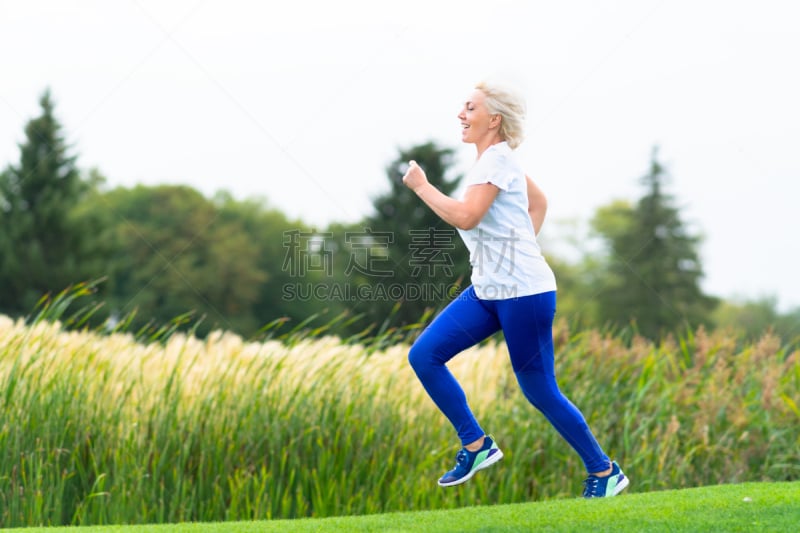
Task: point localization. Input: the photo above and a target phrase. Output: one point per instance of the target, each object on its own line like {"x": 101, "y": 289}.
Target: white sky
{"x": 306, "y": 103}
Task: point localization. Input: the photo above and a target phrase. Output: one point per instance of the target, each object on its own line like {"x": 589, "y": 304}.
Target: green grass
{"x": 762, "y": 507}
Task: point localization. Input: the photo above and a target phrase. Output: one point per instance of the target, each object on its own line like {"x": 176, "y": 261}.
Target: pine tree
{"x": 40, "y": 242}
{"x": 425, "y": 261}
{"x": 654, "y": 268}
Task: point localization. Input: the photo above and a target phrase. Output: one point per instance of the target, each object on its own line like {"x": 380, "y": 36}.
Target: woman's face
{"x": 476, "y": 121}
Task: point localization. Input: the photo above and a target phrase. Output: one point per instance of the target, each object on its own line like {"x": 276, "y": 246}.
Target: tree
{"x": 178, "y": 253}
{"x": 412, "y": 261}
{"x": 43, "y": 247}
{"x": 286, "y": 299}
{"x": 654, "y": 270}
{"x": 753, "y": 319}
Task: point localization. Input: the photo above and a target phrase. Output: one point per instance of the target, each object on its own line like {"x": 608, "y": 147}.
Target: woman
{"x": 513, "y": 289}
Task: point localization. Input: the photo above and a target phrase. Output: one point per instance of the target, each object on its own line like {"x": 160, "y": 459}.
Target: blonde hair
{"x": 510, "y": 105}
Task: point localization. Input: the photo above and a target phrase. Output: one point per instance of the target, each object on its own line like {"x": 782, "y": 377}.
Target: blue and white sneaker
{"x": 467, "y": 463}
{"x": 606, "y": 486}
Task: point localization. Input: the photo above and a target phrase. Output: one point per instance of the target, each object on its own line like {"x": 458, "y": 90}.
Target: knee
{"x": 418, "y": 358}
{"x": 424, "y": 359}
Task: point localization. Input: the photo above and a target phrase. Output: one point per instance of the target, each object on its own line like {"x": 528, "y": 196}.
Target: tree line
{"x": 156, "y": 254}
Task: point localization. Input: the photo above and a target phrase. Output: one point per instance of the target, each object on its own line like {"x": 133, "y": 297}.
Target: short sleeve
{"x": 492, "y": 168}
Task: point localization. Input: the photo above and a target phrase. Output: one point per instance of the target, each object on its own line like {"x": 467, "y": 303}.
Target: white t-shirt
{"x": 505, "y": 257}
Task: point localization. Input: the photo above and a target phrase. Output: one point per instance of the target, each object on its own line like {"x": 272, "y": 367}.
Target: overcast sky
{"x": 306, "y": 102}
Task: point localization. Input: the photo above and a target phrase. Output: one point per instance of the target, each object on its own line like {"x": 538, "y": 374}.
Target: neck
{"x": 484, "y": 145}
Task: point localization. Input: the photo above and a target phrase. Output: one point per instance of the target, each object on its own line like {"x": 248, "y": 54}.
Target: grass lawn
{"x": 761, "y": 507}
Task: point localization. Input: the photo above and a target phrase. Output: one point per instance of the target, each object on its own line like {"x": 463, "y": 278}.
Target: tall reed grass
{"x": 101, "y": 428}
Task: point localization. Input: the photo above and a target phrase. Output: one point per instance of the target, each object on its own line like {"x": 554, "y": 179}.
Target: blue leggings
{"x": 527, "y": 324}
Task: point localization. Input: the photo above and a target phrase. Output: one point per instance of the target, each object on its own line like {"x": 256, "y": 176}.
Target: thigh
{"x": 464, "y": 322}
{"x": 527, "y": 324}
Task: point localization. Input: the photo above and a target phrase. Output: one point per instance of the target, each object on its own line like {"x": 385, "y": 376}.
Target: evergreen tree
{"x": 654, "y": 268}
{"x": 414, "y": 262}
{"x": 41, "y": 243}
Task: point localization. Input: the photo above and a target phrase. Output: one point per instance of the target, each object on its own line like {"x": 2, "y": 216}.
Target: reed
{"x": 103, "y": 427}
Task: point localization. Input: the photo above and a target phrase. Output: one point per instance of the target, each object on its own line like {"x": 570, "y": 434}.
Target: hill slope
{"x": 745, "y": 507}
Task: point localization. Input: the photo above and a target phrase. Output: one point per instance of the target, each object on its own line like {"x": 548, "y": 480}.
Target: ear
{"x": 495, "y": 120}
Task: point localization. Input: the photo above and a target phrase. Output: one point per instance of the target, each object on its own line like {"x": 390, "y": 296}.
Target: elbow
{"x": 537, "y": 204}
{"x": 467, "y": 217}
{"x": 467, "y": 222}
{"x": 538, "y": 212}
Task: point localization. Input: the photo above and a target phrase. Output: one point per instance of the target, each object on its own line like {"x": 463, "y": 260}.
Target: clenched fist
{"x": 415, "y": 177}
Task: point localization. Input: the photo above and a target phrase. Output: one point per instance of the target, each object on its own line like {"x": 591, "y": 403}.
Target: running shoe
{"x": 605, "y": 486}
{"x": 467, "y": 463}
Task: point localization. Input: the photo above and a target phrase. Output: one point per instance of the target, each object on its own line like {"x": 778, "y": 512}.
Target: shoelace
{"x": 461, "y": 457}
{"x": 589, "y": 486}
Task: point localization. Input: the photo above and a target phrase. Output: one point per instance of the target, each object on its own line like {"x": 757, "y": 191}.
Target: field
{"x": 107, "y": 429}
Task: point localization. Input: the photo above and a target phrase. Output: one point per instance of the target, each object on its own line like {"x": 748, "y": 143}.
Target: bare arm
{"x": 463, "y": 214}
{"x": 537, "y": 205}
